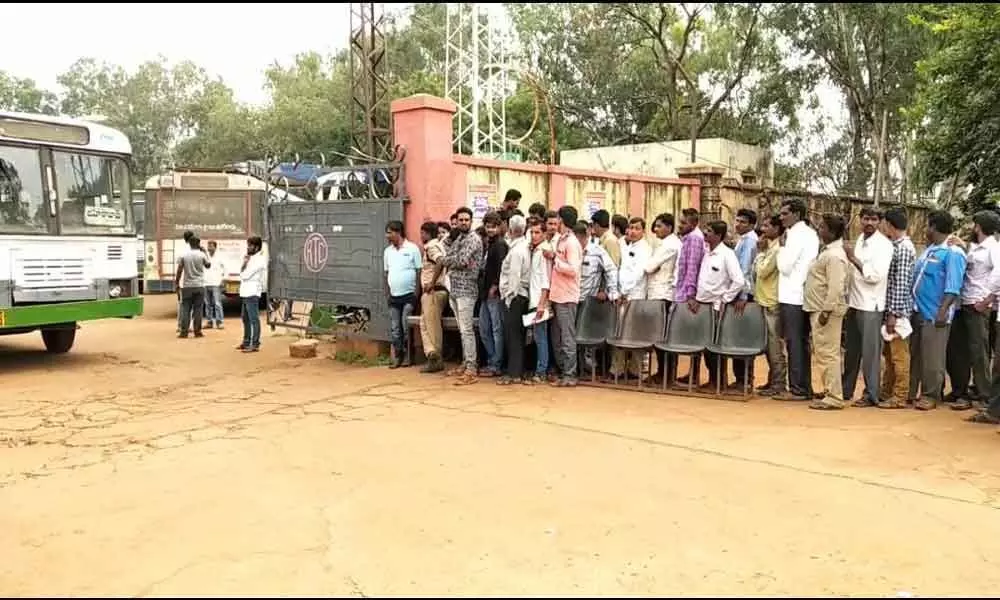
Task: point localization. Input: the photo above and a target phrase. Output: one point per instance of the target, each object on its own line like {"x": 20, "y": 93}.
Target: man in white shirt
{"x": 631, "y": 286}
{"x": 720, "y": 281}
{"x": 661, "y": 273}
{"x": 968, "y": 342}
{"x": 799, "y": 248}
{"x": 213, "y": 289}
{"x": 515, "y": 281}
{"x": 251, "y": 289}
{"x": 870, "y": 257}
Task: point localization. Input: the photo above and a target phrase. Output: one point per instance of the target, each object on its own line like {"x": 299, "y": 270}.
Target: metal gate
{"x": 325, "y": 256}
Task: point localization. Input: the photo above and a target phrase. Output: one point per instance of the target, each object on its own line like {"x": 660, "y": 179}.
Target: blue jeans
{"x": 400, "y": 309}
{"x": 250, "y": 314}
{"x": 213, "y": 304}
{"x": 491, "y": 331}
{"x": 540, "y": 331}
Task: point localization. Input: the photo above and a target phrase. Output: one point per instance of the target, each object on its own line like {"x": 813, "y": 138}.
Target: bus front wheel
{"x": 59, "y": 341}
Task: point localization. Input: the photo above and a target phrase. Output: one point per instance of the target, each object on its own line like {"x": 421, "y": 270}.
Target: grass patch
{"x": 359, "y": 359}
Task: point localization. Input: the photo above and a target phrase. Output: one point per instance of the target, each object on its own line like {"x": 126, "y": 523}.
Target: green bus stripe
{"x": 67, "y": 312}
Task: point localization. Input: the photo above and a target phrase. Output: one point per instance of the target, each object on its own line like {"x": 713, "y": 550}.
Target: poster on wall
{"x": 481, "y": 197}
{"x": 594, "y": 201}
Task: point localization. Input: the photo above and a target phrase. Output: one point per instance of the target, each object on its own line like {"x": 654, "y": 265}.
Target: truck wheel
{"x": 59, "y": 341}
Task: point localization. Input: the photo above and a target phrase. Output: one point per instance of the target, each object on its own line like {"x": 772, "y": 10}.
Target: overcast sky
{"x": 235, "y": 41}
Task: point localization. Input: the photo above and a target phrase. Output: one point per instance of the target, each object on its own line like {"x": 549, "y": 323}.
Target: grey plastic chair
{"x": 640, "y": 327}
{"x": 688, "y": 334}
{"x": 740, "y": 336}
{"x": 595, "y": 323}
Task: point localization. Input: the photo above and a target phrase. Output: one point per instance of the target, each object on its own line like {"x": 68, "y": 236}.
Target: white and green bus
{"x": 67, "y": 234}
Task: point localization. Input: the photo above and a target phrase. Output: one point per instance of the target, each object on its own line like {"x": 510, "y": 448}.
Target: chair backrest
{"x": 643, "y": 321}
{"x": 748, "y": 331}
{"x": 690, "y": 329}
{"x": 596, "y": 320}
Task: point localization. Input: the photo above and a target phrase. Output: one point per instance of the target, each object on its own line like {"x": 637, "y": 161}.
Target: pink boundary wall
{"x": 436, "y": 179}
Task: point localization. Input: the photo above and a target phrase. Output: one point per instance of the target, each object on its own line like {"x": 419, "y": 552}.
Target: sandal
{"x": 825, "y": 404}
{"x": 505, "y": 380}
{"x": 961, "y": 404}
{"x": 925, "y": 404}
{"x": 983, "y": 418}
{"x": 891, "y": 404}
{"x": 862, "y": 403}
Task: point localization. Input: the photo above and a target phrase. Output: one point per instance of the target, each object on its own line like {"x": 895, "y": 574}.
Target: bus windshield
{"x": 22, "y": 201}
{"x": 94, "y": 194}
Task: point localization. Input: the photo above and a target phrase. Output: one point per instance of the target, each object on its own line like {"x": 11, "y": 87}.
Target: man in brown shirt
{"x": 433, "y": 282}
{"x": 826, "y": 303}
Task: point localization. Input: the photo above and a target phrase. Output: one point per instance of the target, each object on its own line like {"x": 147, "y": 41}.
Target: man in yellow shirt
{"x": 765, "y": 293}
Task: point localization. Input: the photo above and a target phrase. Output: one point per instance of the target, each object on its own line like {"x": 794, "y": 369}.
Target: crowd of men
{"x": 832, "y": 307}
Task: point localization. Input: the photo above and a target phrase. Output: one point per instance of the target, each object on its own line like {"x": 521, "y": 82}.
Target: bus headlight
{"x": 121, "y": 288}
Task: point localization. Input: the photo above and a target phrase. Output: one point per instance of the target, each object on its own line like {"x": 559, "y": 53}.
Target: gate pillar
{"x": 422, "y": 125}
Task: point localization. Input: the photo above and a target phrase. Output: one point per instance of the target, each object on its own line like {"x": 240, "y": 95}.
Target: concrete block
{"x": 303, "y": 349}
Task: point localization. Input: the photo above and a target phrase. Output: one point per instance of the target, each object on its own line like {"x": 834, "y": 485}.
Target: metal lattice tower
{"x": 476, "y": 78}
{"x": 371, "y": 127}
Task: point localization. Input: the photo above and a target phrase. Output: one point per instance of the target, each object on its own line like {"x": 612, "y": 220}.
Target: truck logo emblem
{"x": 315, "y": 252}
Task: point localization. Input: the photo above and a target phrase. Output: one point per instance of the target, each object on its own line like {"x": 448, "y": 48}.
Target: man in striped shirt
{"x": 689, "y": 260}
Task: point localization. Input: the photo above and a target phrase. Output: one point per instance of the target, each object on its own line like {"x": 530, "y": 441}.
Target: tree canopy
{"x": 603, "y": 74}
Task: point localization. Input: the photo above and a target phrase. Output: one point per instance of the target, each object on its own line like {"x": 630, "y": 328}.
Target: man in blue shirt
{"x": 937, "y": 282}
{"x": 746, "y": 253}
{"x": 402, "y": 264}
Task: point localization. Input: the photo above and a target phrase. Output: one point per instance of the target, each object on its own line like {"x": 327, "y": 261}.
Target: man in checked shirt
{"x": 598, "y": 279}
{"x": 689, "y": 261}
{"x": 898, "y": 307}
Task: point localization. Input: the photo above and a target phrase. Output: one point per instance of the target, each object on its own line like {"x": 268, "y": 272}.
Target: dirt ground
{"x": 144, "y": 465}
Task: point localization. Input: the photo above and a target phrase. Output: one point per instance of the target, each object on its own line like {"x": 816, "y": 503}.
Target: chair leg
{"x": 718, "y": 374}
{"x": 645, "y": 358}
{"x": 665, "y": 372}
{"x": 692, "y": 372}
{"x": 747, "y": 385}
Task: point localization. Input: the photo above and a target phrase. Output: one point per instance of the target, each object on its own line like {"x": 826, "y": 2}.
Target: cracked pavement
{"x": 142, "y": 465}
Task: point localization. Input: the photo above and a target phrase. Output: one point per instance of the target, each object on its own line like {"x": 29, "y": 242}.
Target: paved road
{"x": 144, "y": 465}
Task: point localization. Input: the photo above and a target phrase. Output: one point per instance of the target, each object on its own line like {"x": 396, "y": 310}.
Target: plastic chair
{"x": 740, "y": 336}
{"x": 640, "y": 327}
{"x": 689, "y": 334}
{"x": 595, "y": 323}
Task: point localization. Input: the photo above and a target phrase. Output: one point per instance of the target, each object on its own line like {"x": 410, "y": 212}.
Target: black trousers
{"x": 514, "y": 334}
{"x": 795, "y": 332}
{"x": 192, "y": 308}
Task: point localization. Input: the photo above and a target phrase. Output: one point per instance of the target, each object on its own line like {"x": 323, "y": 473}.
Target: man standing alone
{"x": 251, "y": 289}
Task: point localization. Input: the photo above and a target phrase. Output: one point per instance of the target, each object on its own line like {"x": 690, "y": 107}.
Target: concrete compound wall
{"x": 438, "y": 181}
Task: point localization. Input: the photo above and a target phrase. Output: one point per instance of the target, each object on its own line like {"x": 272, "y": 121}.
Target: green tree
{"x": 958, "y": 100}
{"x": 156, "y": 106}
{"x": 869, "y": 52}
{"x": 24, "y": 95}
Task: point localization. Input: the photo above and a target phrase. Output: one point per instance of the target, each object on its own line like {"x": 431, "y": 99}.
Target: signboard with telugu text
{"x": 593, "y": 202}
{"x": 481, "y": 197}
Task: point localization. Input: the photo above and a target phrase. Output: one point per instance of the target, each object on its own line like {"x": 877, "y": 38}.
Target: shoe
{"x": 242, "y": 347}
{"x": 182, "y": 335}
{"x": 396, "y": 362}
{"x": 407, "y": 362}
{"x": 199, "y": 334}
{"x": 208, "y": 325}
{"x": 219, "y": 325}
{"x": 250, "y": 349}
